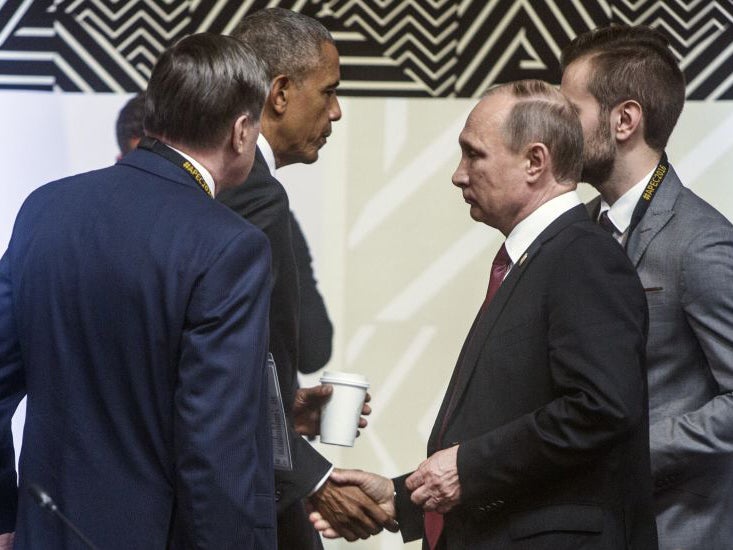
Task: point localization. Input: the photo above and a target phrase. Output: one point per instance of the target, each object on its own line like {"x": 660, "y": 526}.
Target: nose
{"x": 460, "y": 177}
{"x": 334, "y": 113}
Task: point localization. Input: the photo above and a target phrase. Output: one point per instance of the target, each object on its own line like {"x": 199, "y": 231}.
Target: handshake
{"x": 354, "y": 504}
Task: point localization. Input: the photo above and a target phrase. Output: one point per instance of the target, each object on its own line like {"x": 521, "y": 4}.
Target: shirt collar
{"x": 208, "y": 179}
{"x": 530, "y": 227}
{"x": 623, "y": 209}
{"x": 267, "y": 152}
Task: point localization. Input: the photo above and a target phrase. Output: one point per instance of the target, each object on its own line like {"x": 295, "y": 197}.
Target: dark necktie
{"x": 605, "y": 222}
{"x": 499, "y": 267}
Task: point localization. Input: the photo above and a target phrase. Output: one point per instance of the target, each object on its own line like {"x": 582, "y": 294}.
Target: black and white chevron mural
{"x": 422, "y": 48}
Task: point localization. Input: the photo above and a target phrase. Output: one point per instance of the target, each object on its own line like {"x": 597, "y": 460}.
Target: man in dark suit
{"x": 629, "y": 92}
{"x": 315, "y": 332}
{"x": 303, "y": 67}
{"x": 134, "y": 315}
{"x": 541, "y": 441}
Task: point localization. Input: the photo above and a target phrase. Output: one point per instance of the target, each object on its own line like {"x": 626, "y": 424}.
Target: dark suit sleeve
{"x": 12, "y": 389}
{"x": 262, "y": 201}
{"x": 597, "y": 329}
{"x": 315, "y": 329}
{"x": 409, "y": 516}
{"x": 309, "y": 467}
{"x": 224, "y": 455}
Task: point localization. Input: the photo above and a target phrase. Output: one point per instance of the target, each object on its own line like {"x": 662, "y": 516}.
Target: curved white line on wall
{"x": 439, "y": 274}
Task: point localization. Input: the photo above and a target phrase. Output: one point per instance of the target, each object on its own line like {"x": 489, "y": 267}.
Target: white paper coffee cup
{"x": 340, "y": 415}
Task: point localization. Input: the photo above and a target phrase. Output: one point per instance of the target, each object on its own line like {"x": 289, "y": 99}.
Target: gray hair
{"x": 200, "y": 86}
{"x": 288, "y": 42}
{"x": 542, "y": 114}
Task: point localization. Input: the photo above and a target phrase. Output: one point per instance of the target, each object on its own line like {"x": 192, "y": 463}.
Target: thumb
{"x": 346, "y": 476}
{"x": 319, "y": 393}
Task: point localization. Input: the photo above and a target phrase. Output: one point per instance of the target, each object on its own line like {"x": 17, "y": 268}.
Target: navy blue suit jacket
{"x": 134, "y": 314}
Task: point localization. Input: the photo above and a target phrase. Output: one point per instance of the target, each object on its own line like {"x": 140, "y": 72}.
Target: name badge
{"x": 282, "y": 456}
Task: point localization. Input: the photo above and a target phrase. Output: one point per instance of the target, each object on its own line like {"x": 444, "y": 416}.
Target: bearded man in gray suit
{"x": 629, "y": 92}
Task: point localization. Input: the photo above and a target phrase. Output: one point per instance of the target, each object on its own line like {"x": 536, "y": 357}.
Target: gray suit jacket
{"x": 683, "y": 252}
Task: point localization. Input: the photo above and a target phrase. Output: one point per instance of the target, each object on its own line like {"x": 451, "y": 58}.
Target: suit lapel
{"x": 433, "y": 442}
{"x": 484, "y": 324}
{"x": 594, "y": 208}
{"x": 660, "y": 211}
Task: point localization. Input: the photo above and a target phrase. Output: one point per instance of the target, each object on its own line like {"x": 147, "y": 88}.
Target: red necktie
{"x": 499, "y": 267}
{"x": 433, "y": 528}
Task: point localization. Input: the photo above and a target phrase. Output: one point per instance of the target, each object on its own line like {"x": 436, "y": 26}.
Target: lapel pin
{"x": 522, "y": 259}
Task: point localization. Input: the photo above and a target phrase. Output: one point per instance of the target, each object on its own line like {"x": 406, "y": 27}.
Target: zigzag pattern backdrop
{"x": 428, "y": 48}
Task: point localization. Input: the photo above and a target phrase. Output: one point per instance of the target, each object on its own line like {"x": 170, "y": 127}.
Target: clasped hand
{"x": 434, "y": 487}
{"x": 353, "y": 504}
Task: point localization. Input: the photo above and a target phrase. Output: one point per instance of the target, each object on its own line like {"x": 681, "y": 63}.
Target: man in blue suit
{"x": 134, "y": 315}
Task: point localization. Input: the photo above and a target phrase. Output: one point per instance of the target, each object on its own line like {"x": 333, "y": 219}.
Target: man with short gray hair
{"x": 303, "y": 66}
{"x": 541, "y": 440}
{"x": 133, "y": 313}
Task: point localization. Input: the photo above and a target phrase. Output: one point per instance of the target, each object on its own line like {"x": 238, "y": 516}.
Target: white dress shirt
{"x": 267, "y": 152}
{"x": 530, "y": 227}
{"x": 623, "y": 209}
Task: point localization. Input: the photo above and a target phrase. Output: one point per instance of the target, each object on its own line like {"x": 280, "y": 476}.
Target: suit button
{"x": 278, "y": 494}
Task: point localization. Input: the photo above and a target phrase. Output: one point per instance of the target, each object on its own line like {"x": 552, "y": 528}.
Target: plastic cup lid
{"x": 346, "y": 378}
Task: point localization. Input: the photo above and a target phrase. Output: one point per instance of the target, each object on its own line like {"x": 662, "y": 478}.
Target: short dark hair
{"x": 288, "y": 42}
{"x": 633, "y": 63}
{"x": 130, "y": 122}
{"x": 542, "y": 114}
{"x": 198, "y": 88}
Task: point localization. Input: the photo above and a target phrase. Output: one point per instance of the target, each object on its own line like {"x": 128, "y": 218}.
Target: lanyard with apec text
{"x": 155, "y": 146}
{"x": 649, "y": 191}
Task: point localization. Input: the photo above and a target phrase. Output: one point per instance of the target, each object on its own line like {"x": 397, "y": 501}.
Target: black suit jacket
{"x": 262, "y": 200}
{"x": 550, "y": 408}
{"x": 133, "y": 312}
{"x": 314, "y": 326}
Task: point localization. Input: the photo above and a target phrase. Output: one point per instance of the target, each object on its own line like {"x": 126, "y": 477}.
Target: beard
{"x": 599, "y": 154}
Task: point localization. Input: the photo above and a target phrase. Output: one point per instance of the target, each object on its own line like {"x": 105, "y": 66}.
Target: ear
{"x": 279, "y": 92}
{"x": 537, "y": 161}
{"x": 242, "y": 126}
{"x": 626, "y": 119}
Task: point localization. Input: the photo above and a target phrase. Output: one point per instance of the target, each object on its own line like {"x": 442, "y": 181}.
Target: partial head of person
{"x": 522, "y": 146}
{"x": 205, "y": 98}
{"x": 303, "y": 67}
{"x": 629, "y": 92}
{"x": 129, "y": 127}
